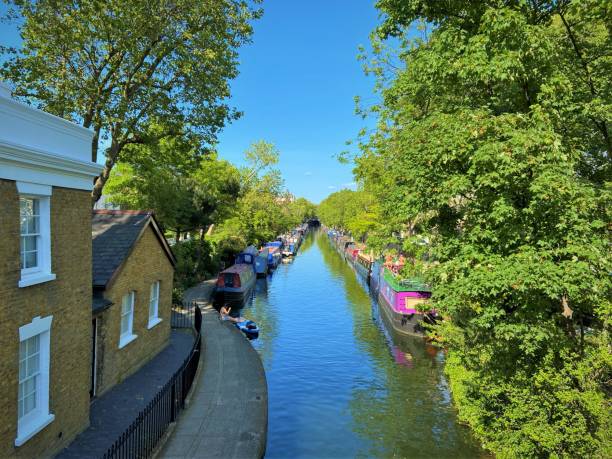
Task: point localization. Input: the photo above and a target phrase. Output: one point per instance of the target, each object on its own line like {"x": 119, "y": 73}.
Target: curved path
{"x": 227, "y": 416}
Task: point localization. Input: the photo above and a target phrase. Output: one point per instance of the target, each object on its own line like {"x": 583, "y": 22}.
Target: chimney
{"x": 5, "y": 90}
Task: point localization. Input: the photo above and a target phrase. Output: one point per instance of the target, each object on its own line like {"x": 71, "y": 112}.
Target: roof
{"x": 99, "y": 303}
{"x": 114, "y": 234}
{"x": 237, "y": 268}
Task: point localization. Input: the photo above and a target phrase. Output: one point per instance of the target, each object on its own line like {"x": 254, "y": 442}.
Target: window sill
{"x": 32, "y": 428}
{"x": 34, "y": 279}
{"x": 125, "y": 340}
{"x": 154, "y": 322}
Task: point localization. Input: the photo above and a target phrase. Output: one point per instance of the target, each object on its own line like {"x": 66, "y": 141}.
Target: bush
{"x": 196, "y": 261}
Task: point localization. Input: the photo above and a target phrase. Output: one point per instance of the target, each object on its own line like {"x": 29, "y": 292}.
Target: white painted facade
{"x": 43, "y": 149}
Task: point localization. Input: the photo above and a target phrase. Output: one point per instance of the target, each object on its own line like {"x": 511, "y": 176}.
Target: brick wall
{"x": 68, "y": 299}
{"x": 146, "y": 264}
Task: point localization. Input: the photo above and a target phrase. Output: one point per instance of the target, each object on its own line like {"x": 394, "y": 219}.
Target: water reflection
{"x": 339, "y": 384}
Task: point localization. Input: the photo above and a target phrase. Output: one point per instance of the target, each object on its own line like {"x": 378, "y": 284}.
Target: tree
{"x": 300, "y": 210}
{"x": 493, "y": 137}
{"x": 188, "y": 197}
{"x": 353, "y": 211}
{"x": 118, "y": 66}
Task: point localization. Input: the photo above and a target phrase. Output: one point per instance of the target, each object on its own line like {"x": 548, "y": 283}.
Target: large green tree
{"x": 117, "y": 66}
{"x": 493, "y": 136}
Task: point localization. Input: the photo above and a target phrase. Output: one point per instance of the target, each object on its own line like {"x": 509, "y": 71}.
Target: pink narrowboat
{"x": 398, "y": 300}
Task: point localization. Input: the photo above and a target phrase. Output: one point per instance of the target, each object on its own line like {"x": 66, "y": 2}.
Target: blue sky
{"x": 296, "y": 88}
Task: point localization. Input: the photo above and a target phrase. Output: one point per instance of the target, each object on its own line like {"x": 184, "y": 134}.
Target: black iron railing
{"x": 140, "y": 439}
{"x": 183, "y": 315}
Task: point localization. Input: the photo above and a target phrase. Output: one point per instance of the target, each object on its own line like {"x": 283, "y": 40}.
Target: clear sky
{"x": 296, "y": 88}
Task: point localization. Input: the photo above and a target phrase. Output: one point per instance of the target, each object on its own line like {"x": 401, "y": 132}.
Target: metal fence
{"x": 141, "y": 437}
{"x": 183, "y": 315}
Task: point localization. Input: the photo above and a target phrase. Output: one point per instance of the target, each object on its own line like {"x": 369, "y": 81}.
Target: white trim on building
{"x": 154, "y": 318}
{"x": 126, "y": 323}
{"x": 35, "y": 240}
{"x": 34, "y": 363}
{"x": 40, "y": 148}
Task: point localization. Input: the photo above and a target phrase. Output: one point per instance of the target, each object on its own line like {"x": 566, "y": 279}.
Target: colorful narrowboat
{"x": 236, "y": 282}
{"x": 398, "y": 300}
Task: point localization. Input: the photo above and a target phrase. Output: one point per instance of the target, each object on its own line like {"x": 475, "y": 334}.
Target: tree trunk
{"x": 210, "y": 230}
{"x": 178, "y": 236}
{"x": 111, "y": 158}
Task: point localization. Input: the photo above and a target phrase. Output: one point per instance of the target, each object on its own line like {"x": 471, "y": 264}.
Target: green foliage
{"x": 353, "y": 211}
{"x": 185, "y": 196}
{"x": 196, "y": 261}
{"x": 117, "y": 66}
{"x": 493, "y": 145}
{"x": 223, "y": 208}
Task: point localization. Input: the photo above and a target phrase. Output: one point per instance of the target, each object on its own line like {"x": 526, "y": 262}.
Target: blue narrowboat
{"x": 251, "y": 256}
{"x": 273, "y": 254}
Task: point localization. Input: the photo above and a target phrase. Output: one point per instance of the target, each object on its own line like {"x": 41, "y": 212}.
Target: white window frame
{"x": 154, "y": 318}
{"x": 36, "y": 420}
{"x": 42, "y": 272}
{"x": 129, "y": 336}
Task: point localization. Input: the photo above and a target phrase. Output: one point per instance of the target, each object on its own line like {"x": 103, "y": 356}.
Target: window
{"x": 127, "y": 320}
{"x": 33, "y": 393}
{"x": 29, "y": 216}
{"x": 154, "y": 305}
{"x": 35, "y": 233}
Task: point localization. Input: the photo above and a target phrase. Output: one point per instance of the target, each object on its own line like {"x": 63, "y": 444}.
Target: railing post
{"x": 198, "y": 319}
{"x": 173, "y": 402}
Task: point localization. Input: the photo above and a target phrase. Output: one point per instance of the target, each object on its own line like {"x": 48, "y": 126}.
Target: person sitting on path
{"x": 224, "y": 312}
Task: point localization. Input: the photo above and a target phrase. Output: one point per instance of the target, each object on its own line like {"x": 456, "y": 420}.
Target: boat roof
{"x": 405, "y": 285}
{"x": 236, "y": 269}
{"x": 251, "y": 250}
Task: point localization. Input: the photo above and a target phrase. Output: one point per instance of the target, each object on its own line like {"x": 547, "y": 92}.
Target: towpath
{"x": 227, "y": 413}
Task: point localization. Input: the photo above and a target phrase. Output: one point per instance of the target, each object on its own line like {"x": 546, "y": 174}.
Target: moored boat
{"x": 363, "y": 264}
{"x": 399, "y": 299}
{"x": 272, "y": 252}
{"x": 235, "y": 282}
{"x": 261, "y": 265}
{"x": 249, "y": 328}
{"x": 252, "y": 256}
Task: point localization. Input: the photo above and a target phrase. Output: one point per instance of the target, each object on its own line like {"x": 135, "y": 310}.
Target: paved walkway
{"x": 114, "y": 411}
{"x": 227, "y": 415}
{"x": 202, "y": 291}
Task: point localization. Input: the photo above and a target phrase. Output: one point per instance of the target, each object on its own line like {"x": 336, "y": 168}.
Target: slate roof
{"x": 114, "y": 233}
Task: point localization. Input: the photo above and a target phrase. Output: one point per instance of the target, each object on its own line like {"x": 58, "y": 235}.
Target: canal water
{"x": 339, "y": 384}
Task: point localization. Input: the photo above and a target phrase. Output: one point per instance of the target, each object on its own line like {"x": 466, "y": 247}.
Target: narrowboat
{"x": 272, "y": 252}
{"x": 375, "y": 276}
{"x": 398, "y": 300}
{"x": 261, "y": 265}
{"x": 251, "y": 256}
{"x": 247, "y": 257}
{"x": 363, "y": 264}
{"x": 291, "y": 246}
{"x": 236, "y": 282}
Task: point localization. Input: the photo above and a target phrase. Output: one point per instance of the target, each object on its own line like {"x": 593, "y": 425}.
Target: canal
{"x": 339, "y": 384}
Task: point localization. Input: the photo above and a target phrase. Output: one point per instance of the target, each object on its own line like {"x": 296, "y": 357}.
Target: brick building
{"x": 133, "y": 269}
{"x": 45, "y": 279}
